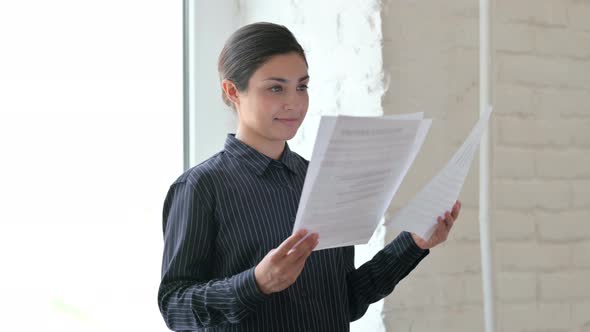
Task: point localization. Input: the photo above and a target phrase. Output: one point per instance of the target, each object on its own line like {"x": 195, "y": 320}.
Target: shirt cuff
{"x": 407, "y": 249}
{"x": 247, "y": 291}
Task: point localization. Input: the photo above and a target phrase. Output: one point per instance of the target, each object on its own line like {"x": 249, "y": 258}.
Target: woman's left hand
{"x": 442, "y": 230}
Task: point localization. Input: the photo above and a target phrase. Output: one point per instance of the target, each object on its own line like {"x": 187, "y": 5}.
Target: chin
{"x": 289, "y": 136}
{"x": 286, "y": 135}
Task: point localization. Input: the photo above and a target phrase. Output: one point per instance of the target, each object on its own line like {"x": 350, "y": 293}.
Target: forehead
{"x": 289, "y": 65}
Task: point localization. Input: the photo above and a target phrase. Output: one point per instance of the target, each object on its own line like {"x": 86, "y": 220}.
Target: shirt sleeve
{"x": 188, "y": 297}
{"x": 378, "y": 277}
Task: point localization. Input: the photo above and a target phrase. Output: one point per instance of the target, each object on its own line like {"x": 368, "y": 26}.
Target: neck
{"x": 270, "y": 148}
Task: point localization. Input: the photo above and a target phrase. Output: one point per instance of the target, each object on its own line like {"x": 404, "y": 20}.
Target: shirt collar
{"x": 259, "y": 162}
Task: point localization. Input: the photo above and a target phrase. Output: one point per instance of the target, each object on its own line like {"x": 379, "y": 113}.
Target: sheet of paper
{"x": 325, "y": 131}
{"x": 439, "y": 195}
{"x": 356, "y": 167}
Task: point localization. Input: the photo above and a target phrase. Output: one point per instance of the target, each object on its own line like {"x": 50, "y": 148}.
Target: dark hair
{"x": 249, "y": 48}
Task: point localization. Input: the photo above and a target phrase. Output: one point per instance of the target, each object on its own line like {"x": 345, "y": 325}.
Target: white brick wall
{"x": 564, "y": 226}
{"x": 515, "y": 100}
{"x": 564, "y": 285}
{"x": 578, "y": 13}
{"x": 513, "y": 226}
{"x": 516, "y": 286}
{"x": 581, "y": 193}
{"x": 541, "y": 182}
{"x": 397, "y": 56}
{"x": 562, "y": 42}
{"x": 530, "y": 316}
{"x": 533, "y": 12}
{"x": 557, "y": 72}
{"x": 531, "y": 195}
{"x": 515, "y": 38}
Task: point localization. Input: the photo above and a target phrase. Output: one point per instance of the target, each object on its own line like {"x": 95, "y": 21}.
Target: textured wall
{"x": 541, "y": 135}
{"x": 397, "y": 56}
{"x": 342, "y": 40}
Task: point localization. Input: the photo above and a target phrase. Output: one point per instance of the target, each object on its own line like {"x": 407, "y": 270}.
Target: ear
{"x": 231, "y": 92}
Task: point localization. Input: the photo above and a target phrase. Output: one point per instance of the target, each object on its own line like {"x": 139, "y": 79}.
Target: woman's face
{"x": 275, "y": 103}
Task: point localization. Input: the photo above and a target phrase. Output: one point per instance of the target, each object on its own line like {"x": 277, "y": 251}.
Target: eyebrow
{"x": 282, "y": 80}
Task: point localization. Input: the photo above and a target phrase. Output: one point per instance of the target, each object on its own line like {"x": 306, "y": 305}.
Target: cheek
{"x": 268, "y": 103}
{"x": 266, "y": 106}
{"x": 261, "y": 109}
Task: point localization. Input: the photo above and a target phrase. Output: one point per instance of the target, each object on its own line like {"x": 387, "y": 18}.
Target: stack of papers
{"x": 357, "y": 166}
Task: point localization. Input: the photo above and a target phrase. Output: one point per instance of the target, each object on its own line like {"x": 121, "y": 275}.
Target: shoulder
{"x": 203, "y": 177}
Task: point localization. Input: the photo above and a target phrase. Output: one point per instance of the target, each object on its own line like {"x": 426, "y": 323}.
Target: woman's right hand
{"x": 281, "y": 267}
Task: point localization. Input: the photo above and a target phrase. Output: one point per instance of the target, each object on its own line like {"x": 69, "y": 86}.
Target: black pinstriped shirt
{"x": 223, "y": 216}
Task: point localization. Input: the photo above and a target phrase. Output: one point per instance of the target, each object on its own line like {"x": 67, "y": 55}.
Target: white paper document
{"x": 439, "y": 195}
{"x": 357, "y": 166}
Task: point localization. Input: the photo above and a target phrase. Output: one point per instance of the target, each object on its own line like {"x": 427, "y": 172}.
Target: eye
{"x": 276, "y": 88}
{"x": 302, "y": 87}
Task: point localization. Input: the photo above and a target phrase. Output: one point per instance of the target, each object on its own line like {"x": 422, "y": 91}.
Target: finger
{"x": 442, "y": 231}
{"x": 290, "y": 242}
{"x": 449, "y": 220}
{"x": 445, "y": 222}
{"x": 442, "y": 225}
{"x": 303, "y": 249}
{"x": 301, "y": 260}
{"x": 456, "y": 210}
{"x": 439, "y": 232}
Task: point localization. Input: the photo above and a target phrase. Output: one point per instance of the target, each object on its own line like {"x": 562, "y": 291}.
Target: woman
{"x": 229, "y": 258}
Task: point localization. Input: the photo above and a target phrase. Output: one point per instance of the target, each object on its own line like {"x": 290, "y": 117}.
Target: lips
{"x": 288, "y": 121}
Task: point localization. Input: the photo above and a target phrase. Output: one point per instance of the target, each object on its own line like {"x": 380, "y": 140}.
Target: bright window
{"x": 90, "y": 140}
